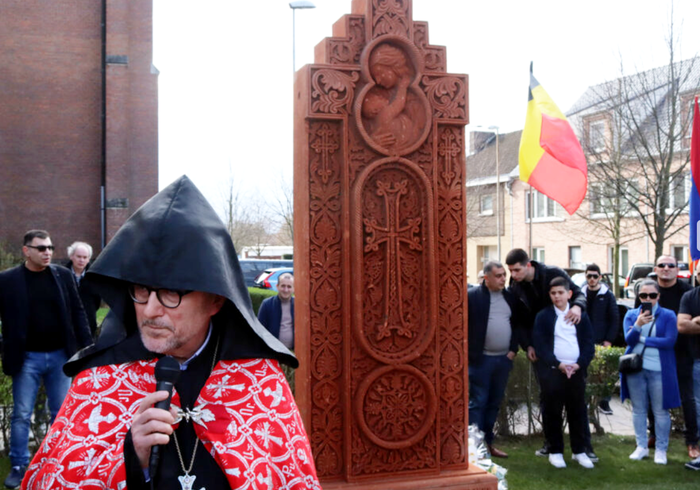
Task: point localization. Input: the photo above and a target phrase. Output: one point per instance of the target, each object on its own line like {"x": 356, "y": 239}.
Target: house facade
{"x": 624, "y": 180}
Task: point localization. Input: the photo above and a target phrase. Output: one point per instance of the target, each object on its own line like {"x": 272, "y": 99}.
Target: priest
{"x": 172, "y": 281}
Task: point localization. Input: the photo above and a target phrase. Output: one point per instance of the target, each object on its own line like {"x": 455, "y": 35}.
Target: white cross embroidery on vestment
{"x": 221, "y": 386}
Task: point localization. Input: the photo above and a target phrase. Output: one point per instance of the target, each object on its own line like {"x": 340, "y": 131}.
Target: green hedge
{"x": 257, "y": 296}
{"x": 524, "y": 391}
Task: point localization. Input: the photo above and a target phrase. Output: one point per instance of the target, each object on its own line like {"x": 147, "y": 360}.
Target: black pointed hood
{"x": 177, "y": 241}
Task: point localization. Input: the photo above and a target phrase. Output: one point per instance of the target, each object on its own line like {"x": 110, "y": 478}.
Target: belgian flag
{"x": 551, "y": 158}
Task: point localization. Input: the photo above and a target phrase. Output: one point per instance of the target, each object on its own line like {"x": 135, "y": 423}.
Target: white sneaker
{"x": 659, "y": 456}
{"x": 583, "y": 460}
{"x": 557, "y": 460}
{"x": 639, "y": 453}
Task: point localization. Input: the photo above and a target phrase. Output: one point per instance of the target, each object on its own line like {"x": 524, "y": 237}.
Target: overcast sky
{"x": 225, "y": 84}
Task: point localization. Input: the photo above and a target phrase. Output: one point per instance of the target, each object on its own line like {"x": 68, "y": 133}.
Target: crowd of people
{"x": 228, "y": 357}
{"x": 557, "y": 325}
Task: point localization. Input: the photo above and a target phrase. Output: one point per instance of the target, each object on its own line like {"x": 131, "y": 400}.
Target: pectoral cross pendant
{"x": 187, "y": 480}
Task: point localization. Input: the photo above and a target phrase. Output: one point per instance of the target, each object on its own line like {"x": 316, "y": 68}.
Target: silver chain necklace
{"x": 187, "y": 480}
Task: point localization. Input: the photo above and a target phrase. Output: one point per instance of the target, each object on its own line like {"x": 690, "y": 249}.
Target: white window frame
{"x": 672, "y": 204}
{"x": 597, "y": 135}
{"x": 483, "y": 211}
{"x": 608, "y": 204}
{"x": 576, "y": 264}
{"x": 538, "y": 254}
{"x": 552, "y": 210}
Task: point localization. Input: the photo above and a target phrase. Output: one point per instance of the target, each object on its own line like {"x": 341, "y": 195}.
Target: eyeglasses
{"x": 648, "y": 295}
{"x": 592, "y": 276}
{"x": 42, "y": 248}
{"x": 170, "y": 298}
{"x": 666, "y": 266}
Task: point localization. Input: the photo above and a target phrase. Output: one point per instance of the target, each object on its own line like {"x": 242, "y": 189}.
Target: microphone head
{"x": 167, "y": 369}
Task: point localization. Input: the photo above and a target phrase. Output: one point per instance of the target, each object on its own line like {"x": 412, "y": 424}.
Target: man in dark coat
{"x": 79, "y": 254}
{"x": 493, "y": 344}
{"x": 601, "y": 307}
{"x": 276, "y": 313}
{"x": 43, "y": 324}
{"x": 174, "y": 287}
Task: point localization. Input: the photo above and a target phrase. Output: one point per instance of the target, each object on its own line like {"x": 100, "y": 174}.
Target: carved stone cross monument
{"x": 380, "y": 256}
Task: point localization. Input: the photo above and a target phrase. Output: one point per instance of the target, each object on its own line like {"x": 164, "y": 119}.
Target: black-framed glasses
{"x": 592, "y": 276}
{"x": 170, "y": 298}
{"x": 648, "y": 295}
{"x": 42, "y": 248}
{"x": 666, "y": 266}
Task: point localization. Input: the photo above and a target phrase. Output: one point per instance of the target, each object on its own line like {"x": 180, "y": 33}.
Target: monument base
{"x": 471, "y": 479}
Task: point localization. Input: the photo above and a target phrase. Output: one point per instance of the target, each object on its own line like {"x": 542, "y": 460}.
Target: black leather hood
{"x": 177, "y": 241}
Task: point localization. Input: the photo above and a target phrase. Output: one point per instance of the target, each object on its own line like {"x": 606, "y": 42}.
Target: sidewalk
{"x": 619, "y": 423}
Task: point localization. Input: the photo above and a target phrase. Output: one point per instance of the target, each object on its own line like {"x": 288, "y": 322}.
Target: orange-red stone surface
{"x": 380, "y": 256}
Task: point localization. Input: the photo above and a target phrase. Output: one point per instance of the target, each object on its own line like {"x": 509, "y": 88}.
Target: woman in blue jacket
{"x": 653, "y": 335}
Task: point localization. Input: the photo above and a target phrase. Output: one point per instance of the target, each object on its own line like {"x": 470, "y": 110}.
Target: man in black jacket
{"x": 43, "y": 325}
{"x": 493, "y": 344}
{"x": 529, "y": 281}
{"x": 605, "y": 318}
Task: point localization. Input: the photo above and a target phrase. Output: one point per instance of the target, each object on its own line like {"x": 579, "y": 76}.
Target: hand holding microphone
{"x": 152, "y": 424}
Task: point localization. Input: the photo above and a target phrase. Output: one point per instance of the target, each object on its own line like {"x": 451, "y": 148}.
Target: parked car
{"x": 269, "y": 278}
{"x": 636, "y": 273}
{"x": 253, "y": 267}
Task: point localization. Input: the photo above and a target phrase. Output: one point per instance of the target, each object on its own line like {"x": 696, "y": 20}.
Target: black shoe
{"x": 14, "y": 479}
{"x": 693, "y": 465}
{"x": 591, "y": 455}
{"x": 604, "y": 407}
{"x": 543, "y": 452}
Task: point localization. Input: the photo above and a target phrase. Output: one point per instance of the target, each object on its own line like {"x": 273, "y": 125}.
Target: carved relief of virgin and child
{"x": 393, "y": 114}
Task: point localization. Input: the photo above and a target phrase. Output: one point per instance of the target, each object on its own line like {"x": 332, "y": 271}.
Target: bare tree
{"x": 634, "y": 130}
{"x": 247, "y": 219}
{"x": 282, "y": 208}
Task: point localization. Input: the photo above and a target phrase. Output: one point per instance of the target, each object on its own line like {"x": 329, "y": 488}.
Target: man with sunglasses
{"x": 174, "y": 287}
{"x": 43, "y": 325}
{"x": 601, "y": 307}
{"x": 671, "y": 291}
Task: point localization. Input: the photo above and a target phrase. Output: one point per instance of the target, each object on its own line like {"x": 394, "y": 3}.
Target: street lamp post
{"x": 298, "y": 4}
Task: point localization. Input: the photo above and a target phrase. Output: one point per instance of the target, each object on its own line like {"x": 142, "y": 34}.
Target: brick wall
{"x": 50, "y": 128}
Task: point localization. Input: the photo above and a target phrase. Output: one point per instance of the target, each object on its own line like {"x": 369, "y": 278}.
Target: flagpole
{"x": 532, "y": 216}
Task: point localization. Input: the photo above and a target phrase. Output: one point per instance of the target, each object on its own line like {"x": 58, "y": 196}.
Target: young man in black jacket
{"x": 601, "y": 307}
{"x": 493, "y": 344}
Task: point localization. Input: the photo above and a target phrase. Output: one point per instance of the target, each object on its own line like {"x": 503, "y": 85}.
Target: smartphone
{"x": 645, "y": 307}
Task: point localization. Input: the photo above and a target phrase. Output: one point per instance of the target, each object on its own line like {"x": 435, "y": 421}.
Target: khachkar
{"x": 380, "y": 256}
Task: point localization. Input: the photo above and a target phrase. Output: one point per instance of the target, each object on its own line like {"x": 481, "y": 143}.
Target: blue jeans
{"x": 643, "y": 387}
{"x": 487, "y": 385}
{"x": 25, "y": 385}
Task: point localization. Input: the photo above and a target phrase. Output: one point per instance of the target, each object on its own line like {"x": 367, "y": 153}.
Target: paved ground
{"x": 619, "y": 423}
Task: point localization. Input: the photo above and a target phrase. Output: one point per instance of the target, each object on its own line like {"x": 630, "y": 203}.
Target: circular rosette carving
{"x": 396, "y": 406}
{"x": 391, "y": 111}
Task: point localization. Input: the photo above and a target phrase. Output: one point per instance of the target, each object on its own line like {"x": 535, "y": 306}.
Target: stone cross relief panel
{"x": 380, "y": 251}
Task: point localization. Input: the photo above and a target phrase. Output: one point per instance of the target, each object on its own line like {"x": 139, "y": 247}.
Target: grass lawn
{"x": 615, "y": 470}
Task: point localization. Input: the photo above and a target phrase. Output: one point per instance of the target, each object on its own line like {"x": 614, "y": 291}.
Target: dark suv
{"x": 252, "y": 267}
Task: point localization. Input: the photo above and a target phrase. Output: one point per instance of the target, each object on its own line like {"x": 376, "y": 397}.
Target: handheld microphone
{"x": 167, "y": 373}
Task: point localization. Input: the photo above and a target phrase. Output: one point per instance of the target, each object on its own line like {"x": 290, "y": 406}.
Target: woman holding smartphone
{"x": 651, "y": 332}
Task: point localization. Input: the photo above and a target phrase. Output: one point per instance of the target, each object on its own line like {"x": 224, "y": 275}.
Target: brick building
{"x": 78, "y": 118}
